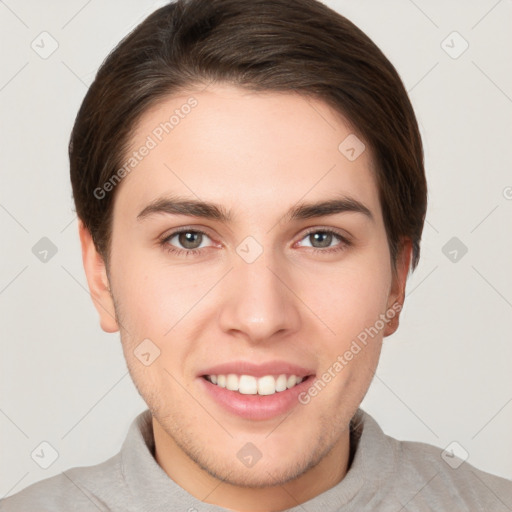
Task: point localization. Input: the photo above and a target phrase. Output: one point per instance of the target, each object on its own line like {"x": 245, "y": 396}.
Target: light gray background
{"x": 443, "y": 377}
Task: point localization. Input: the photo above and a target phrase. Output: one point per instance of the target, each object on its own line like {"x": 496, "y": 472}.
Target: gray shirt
{"x": 385, "y": 475}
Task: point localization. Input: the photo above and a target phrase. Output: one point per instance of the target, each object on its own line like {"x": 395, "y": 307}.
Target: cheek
{"x": 348, "y": 298}
{"x": 352, "y": 300}
{"x": 153, "y": 296}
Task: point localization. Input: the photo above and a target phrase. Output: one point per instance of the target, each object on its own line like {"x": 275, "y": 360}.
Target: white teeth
{"x": 249, "y": 385}
{"x": 266, "y": 385}
{"x": 232, "y": 382}
{"x": 221, "y": 381}
{"x": 281, "y": 383}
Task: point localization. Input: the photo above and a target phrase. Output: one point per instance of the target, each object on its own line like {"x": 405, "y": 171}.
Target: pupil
{"x": 324, "y": 239}
{"x": 188, "y": 239}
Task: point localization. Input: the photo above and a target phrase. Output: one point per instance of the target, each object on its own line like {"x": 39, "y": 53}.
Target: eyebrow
{"x": 207, "y": 210}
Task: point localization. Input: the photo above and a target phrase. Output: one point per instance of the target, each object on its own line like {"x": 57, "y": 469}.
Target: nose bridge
{"x": 258, "y": 303}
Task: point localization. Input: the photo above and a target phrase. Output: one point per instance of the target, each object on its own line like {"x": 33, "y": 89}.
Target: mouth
{"x": 251, "y": 385}
{"x": 256, "y": 392}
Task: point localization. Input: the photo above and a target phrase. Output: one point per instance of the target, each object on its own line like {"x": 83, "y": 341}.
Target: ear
{"x": 397, "y": 292}
{"x": 97, "y": 280}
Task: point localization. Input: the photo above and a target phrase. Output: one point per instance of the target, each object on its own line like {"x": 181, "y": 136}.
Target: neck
{"x": 331, "y": 469}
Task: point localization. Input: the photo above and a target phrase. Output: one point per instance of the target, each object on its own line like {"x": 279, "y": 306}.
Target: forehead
{"x": 254, "y": 152}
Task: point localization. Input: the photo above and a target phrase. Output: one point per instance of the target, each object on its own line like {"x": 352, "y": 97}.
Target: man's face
{"x": 262, "y": 288}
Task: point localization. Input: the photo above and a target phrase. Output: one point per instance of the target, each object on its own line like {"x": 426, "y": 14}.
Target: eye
{"x": 192, "y": 241}
{"x": 321, "y": 240}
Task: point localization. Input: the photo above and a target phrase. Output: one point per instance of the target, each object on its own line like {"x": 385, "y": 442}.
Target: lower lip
{"x": 256, "y": 407}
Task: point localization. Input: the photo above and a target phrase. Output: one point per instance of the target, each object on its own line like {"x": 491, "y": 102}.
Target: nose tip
{"x": 257, "y": 303}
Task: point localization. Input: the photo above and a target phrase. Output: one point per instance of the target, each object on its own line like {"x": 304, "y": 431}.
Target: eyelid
{"x": 168, "y": 235}
{"x": 203, "y": 230}
{"x": 344, "y": 237}
{"x": 181, "y": 229}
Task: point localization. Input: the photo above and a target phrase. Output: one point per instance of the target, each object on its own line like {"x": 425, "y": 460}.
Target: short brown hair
{"x": 300, "y": 46}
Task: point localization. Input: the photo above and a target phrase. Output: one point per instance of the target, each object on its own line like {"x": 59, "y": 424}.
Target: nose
{"x": 258, "y": 301}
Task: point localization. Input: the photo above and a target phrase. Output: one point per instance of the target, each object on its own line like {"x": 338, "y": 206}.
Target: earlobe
{"x": 397, "y": 293}
{"x": 97, "y": 280}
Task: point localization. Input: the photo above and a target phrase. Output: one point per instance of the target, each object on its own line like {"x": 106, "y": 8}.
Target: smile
{"x": 251, "y": 385}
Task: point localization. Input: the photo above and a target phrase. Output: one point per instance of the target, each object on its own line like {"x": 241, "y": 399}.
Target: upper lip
{"x": 257, "y": 370}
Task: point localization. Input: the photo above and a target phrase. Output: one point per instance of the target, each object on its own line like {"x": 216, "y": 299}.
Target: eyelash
{"x": 164, "y": 242}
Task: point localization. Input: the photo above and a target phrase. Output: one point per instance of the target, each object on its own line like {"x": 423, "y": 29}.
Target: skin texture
{"x": 256, "y": 154}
